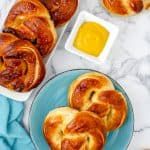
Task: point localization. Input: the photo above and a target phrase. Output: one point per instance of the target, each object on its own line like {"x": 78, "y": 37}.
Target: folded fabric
{"x": 12, "y": 135}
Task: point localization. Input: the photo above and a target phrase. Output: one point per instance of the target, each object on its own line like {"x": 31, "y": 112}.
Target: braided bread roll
{"x": 30, "y": 20}
{"x": 95, "y": 92}
{"x": 61, "y": 10}
{"x": 21, "y": 66}
{"x": 126, "y": 7}
{"x": 67, "y": 129}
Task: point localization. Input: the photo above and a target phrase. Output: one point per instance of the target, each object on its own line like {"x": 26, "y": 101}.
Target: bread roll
{"x": 126, "y": 7}
{"x": 61, "y": 10}
{"x": 68, "y": 129}
{"x": 30, "y": 20}
{"x": 95, "y": 92}
{"x": 21, "y": 66}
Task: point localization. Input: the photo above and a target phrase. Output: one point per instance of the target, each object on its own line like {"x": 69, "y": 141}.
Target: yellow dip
{"x": 91, "y": 38}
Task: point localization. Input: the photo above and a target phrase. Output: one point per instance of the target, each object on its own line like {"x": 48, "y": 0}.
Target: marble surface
{"x": 128, "y": 63}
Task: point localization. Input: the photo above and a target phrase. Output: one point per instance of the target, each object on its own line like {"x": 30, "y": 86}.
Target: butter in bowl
{"x": 91, "y": 37}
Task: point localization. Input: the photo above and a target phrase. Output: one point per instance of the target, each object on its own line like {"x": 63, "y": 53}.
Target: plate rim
{"x": 58, "y": 74}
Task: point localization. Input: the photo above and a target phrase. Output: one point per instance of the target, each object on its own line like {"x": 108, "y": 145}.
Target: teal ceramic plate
{"x": 54, "y": 94}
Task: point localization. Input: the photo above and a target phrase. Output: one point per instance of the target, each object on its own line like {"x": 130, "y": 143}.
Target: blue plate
{"x": 54, "y": 94}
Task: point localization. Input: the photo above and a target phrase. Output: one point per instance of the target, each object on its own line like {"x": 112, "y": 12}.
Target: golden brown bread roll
{"x": 21, "y": 66}
{"x": 146, "y": 4}
{"x": 30, "y": 20}
{"x": 95, "y": 92}
{"x": 61, "y": 10}
{"x": 126, "y": 7}
{"x": 68, "y": 129}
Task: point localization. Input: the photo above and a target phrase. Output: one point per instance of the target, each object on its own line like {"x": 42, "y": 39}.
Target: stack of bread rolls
{"x": 28, "y": 36}
{"x": 96, "y": 108}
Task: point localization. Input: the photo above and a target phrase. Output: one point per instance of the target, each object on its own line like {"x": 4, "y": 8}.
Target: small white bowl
{"x": 84, "y": 17}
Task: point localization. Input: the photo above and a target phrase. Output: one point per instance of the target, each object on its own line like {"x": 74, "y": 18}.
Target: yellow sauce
{"x": 91, "y": 38}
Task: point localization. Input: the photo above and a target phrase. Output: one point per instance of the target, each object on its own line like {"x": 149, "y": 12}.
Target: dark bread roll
{"x": 21, "y": 66}
{"x": 61, "y": 10}
{"x": 30, "y": 20}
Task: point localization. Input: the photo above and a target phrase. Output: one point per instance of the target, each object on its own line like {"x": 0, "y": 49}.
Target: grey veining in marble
{"x": 128, "y": 63}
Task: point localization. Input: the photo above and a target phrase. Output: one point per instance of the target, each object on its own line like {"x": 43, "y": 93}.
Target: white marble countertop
{"x": 128, "y": 63}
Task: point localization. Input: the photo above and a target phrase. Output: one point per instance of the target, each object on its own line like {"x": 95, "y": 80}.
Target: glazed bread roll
{"x": 95, "y": 92}
{"x": 21, "y": 66}
{"x": 146, "y": 4}
{"x": 68, "y": 129}
{"x": 126, "y": 7}
{"x": 61, "y": 10}
{"x": 30, "y": 20}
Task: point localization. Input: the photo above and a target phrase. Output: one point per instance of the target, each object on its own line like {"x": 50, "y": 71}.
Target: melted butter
{"x": 91, "y": 38}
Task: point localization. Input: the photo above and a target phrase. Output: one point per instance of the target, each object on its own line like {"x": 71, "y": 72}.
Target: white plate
{"x": 84, "y": 17}
{"x": 5, "y": 7}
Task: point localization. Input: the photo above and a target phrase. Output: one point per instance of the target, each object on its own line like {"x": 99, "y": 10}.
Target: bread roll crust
{"x": 83, "y": 88}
